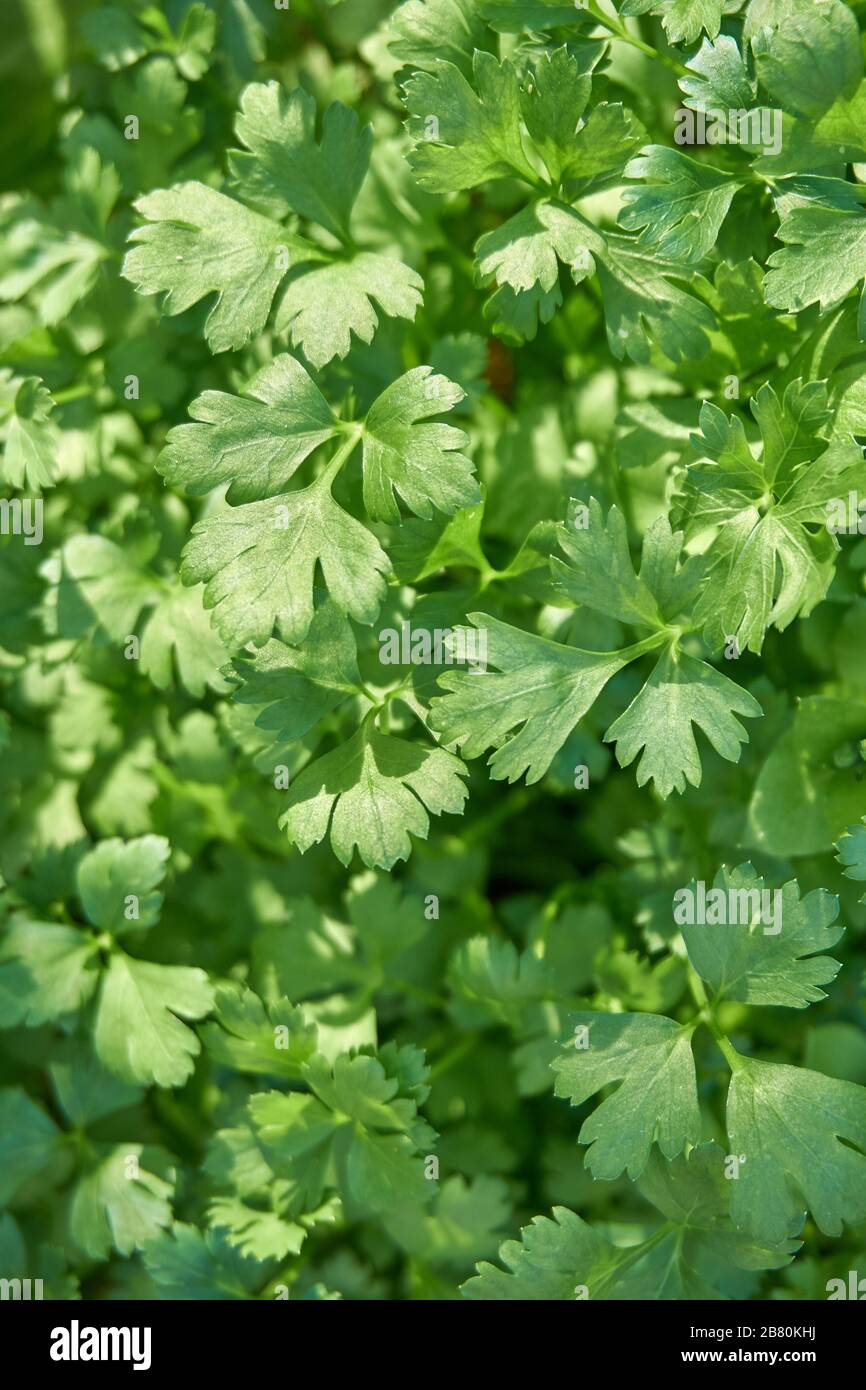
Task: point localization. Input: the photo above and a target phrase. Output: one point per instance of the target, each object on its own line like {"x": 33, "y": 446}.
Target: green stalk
{"x": 335, "y": 463}
{"x": 706, "y": 1016}
{"x": 619, "y": 31}
{"x": 635, "y": 1254}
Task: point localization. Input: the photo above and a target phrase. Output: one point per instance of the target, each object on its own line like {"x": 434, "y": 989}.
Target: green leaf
{"x": 511, "y": 16}
{"x": 285, "y": 169}
{"x": 262, "y": 1235}
{"x": 540, "y": 689}
{"x": 575, "y": 144}
{"x": 547, "y": 688}
{"x": 179, "y": 645}
{"x": 118, "y": 882}
{"x": 460, "y": 1228}
{"x": 260, "y": 561}
{"x": 383, "y": 1172}
{"x": 694, "y": 1193}
{"x": 197, "y": 242}
{"x": 120, "y": 1201}
{"x": 768, "y": 564}
{"x": 490, "y": 975}
{"x": 823, "y": 258}
{"x": 114, "y": 36}
{"x": 250, "y": 1037}
{"x": 169, "y": 126}
{"x": 656, "y": 1102}
{"x": 515, "y": 315}
{"x": 360, "y": 1123}
{"x": 422, "y": 548}
{"x": 46, "y": 972}
{"x": 683, "y": 20}
{"x": 308, "y": 952}
{"x": 372, "y": 794}
{"x": 600, "y": 573}
{"x": 254, "y": 442}
{"x": 802, "y": 799}
{"x": 802, "y": 1135}
{"x": 102, "y": 584}
{"x": 526, "y": 250}
{"x": 422, "y": 32}
{"x": 681, "y": 692}
{"x": 29, "y": 1141}
{"x": 837, "y": 1049}
{"x": 85, "y": 1091}
{"x": 687, "y": 1257}
{"x": 55, "y": 255}
{"x": 640, "y": 300}
{"x": 363, "y": 1089}
{"x": 419, "y": 461}
{"x": 119, "y": 41}
{"x": 186, "y": 1263}
{"x": 294, "y": 1134}
{"x": 609, "y": 137}
{"x": 138, "y": 1032}
{"x": 462, "y": 357}
{"x": 628, "y": 979}
{"x": 553, "y": 1258}
{"x": 465, "y": 134}
{"x": 570, "y": 942}
{"x": 195, "y": 41}
{"x": 808, "y": 55}
{"x": 323, "y": 308}
{"x": 756, "y": 961}
{"x": 386, "y": 921}
{"x": 522, "y": 256}
{"x": 200, "y": 242}
{"x": 292, "y": 688}
{"x": 839, "y": 132}
{"x": 852, "y": 851}
{"x": 681, "y": 204}
{"x": 553, "y": 102}
{"x": 31, "y": 439}
{"x": 722, "y": 79}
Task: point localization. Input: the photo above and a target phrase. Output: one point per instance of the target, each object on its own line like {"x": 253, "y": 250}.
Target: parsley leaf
{"x": 803, "y": 1136}
{"x": 284, "y": 168}
{"x": 197, "y": 241}
{"x": 259, "y": 562}
{"x": 373, "y": 793}
{"x": 681, "y": 692}
{"x": 417, "y": 460}
{"x": 541, "y": 690}
{"x": 683, "y": 19}
{"x": 681, "y": 204}
{"x": 768, "y": 565}
{"x": 757, "y": 962}
{"x": 31, "y": 440}
{"x": 48, "y": 971}
{"x": 656, "y": 1101}
{"x": 256, "y": 441}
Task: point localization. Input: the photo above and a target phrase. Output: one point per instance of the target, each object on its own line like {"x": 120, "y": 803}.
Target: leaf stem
{"x": 699, "y": 994}
{"x": 72, "y": 393}
{"x": 619, "y": 31}
{"x": 733, "y": 1058}
{"x": 335, "y": 463}
{"x": 424, "y": 996}
{"x": 454, "y": 1055}
{"x": 708, "y": 1018}
{"x": 647, "y": 644}
{"x": 635, "y": 1253}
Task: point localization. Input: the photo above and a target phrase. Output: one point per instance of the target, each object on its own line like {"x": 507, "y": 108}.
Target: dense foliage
{"x": 432, "y": 560}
